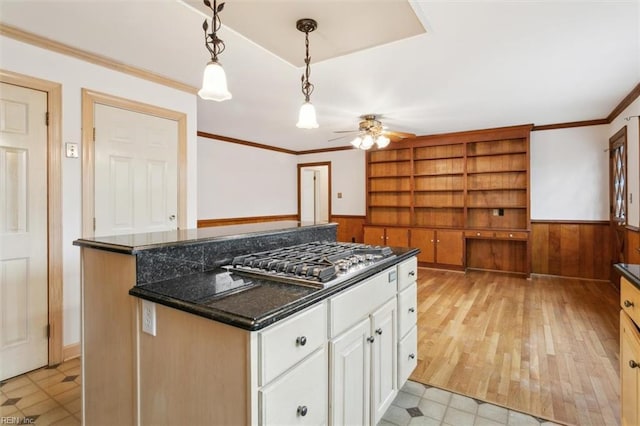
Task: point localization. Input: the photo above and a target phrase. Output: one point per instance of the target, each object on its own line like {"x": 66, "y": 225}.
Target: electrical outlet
{"x": 149, "y": 317}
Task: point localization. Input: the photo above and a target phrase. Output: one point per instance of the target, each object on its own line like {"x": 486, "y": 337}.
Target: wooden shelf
{"x": 456, "y": 182}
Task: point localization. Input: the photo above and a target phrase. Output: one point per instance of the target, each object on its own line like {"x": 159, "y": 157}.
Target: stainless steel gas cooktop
{"x": 317, "y": 264}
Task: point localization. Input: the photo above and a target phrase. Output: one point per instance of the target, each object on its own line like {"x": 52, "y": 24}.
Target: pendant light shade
{"x": 307, "y": 117}
{"x": 214, "y": 80}
{"x": 214, "y": 83}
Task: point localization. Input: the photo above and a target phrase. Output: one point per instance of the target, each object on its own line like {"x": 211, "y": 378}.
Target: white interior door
{"x": 136, "y": 163}
{"x": 23, "y": 230}
{"x": 309, "y": 196}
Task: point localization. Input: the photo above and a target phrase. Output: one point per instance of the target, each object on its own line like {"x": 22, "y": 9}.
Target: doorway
{"x": 135, "y": 163}
{"x": 30, "y": 224}
{"x": 618, "y": 200}
{"x": 314, "y": 192}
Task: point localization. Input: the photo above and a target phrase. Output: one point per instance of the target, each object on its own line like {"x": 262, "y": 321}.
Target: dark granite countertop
{"x": 630, "y": 272}
{"x": 255, "y": 306}
{"x": 134, "y": 243}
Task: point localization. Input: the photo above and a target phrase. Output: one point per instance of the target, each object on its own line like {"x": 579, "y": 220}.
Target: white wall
{"x": 569, "y": 174}
{"x": 348, "y": 177}
{"x": 74, "y": 75}
{"x": 240, "y": 181}
{"x": 633, "y": 158}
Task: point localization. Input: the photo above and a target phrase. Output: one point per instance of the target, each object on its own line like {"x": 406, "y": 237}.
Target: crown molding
{"x": 103, "y": 61}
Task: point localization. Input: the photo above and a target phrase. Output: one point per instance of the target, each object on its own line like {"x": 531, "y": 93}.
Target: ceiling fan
{"x": 371, "y": 131}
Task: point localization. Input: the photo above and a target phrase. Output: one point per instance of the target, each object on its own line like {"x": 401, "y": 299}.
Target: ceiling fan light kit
{"x": 214, "y": 79}
{"x": 307, "y": 115}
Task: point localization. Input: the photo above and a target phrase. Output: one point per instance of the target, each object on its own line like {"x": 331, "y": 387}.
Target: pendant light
{"x": 214, "y": 80}
{"x": 307, "y": 116}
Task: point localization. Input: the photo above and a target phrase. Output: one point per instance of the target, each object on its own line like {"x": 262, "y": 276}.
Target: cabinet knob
{"x": 371, "y": 339}
{"x": 412, "y": 273}
{"x": 634, "y": 364}
{"x": 431, "y": 240}
{"x": 510, "y": 235}
{"x": 412, "y": 310}
{"x": 477, "y": 234}
{"x": 379, "y": 331}
{"x": 301, "y": 341}
{"x": 412, "y": 356}
{"x": 382, "y": 237}
{"x": 628, "y": 303}
{"x": 302, "y": 410}
{"x": 437, "y": 241}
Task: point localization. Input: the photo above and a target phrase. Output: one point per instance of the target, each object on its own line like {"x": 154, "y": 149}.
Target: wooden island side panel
{"x": 194, "y": 371}
{"x": 108, "y": 338}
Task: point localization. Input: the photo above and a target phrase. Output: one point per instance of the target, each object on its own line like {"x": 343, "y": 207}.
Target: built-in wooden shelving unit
{"x": 463, "y": 198}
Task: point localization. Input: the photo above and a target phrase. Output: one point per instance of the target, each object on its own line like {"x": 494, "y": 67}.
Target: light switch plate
{"x": 72, "y": 150}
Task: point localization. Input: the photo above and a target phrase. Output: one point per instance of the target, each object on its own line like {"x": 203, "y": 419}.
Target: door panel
{"x": 384, "y": 382}
{"x": 373, "y": 235}
{"x": 23, "y": 230}
{"x": 617, "y": 200}
{"x": 424, "y": 239}
{"x": 136, "y": 181}
{"x": 349, "y": 376}
{"x": 449, "y": 247}
{"x": 397, "y": 237}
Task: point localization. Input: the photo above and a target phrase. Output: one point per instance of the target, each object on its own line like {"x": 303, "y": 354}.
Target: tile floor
{"x": 420, "y": 405}
{"x": 47, "y": 396}
{"x": 51, "y": 396}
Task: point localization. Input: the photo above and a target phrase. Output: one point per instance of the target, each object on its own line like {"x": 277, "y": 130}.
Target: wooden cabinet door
{"x": 383, "y": 360}
{"x": 449, "y": 247}
{"x": 424, "y": 239}
{"x": 629, "y": 375}
{"x": 374, "y": 235}
{"x": 350, "y": 371}
{"x": 397, "y": 237}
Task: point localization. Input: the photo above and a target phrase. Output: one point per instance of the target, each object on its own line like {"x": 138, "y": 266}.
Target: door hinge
{"x": 46, "y": 118}
{"x": 94, "y": 223}
{"x": 94, "y": 134}
{"x": 48, "y": 331}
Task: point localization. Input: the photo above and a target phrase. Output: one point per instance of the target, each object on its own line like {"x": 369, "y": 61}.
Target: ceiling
{"x": 480, "y": 64}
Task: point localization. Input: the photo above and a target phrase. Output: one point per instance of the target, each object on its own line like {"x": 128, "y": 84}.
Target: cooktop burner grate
{"x": 312, "y": 263}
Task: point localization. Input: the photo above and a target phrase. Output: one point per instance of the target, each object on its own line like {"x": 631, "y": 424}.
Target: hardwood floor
{"x": 547, "y": 346}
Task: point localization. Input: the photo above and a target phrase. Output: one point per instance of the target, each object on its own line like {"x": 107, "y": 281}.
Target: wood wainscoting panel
{"x": 205, "y": 223}
{"x": 577, "y": 249}
{"x": 350, "y": 228}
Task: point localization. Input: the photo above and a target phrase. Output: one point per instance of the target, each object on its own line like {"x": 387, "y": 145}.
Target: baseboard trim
{"x": 71, "y": 351}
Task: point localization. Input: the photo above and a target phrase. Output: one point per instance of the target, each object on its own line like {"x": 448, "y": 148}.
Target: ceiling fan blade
{"x": 339, "y": 137}
{"x": 345, "y": 131}
{"x": 399, "y": 135}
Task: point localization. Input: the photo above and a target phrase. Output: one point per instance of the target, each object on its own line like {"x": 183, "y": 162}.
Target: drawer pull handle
{"x": 302, "y": 410}
{"x": 412, "y": 273}
{"x": 634, "y": 364}
{"x": 412, "y": 356}
{"x": 412, "y": 310}
{"x": 379, "y": 331}
{"x": 628, "y": 304}
{"x": 371, "y": 339}
{"x": 301, "y": 341}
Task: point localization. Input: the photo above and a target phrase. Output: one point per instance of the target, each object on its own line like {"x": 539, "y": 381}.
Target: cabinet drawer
{"x": 407, "y": 273}
{"x": 630, "y": 299}
{"x": 358, "y": 302}
{"x": 407, "y": 309}
{"x": 511, "y": 235}
{"x": 478, "y": 234}
{"x": 289, "y": 342}
{"x": 407, "y": 356}
{"x": 300, "y": 397}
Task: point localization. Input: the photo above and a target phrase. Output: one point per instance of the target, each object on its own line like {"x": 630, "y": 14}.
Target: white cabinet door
{"x": 384, "y": 362}
{"x": 349, "y": 375}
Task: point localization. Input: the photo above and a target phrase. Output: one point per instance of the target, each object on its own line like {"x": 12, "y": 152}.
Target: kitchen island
{"x": 171, "y": 336}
